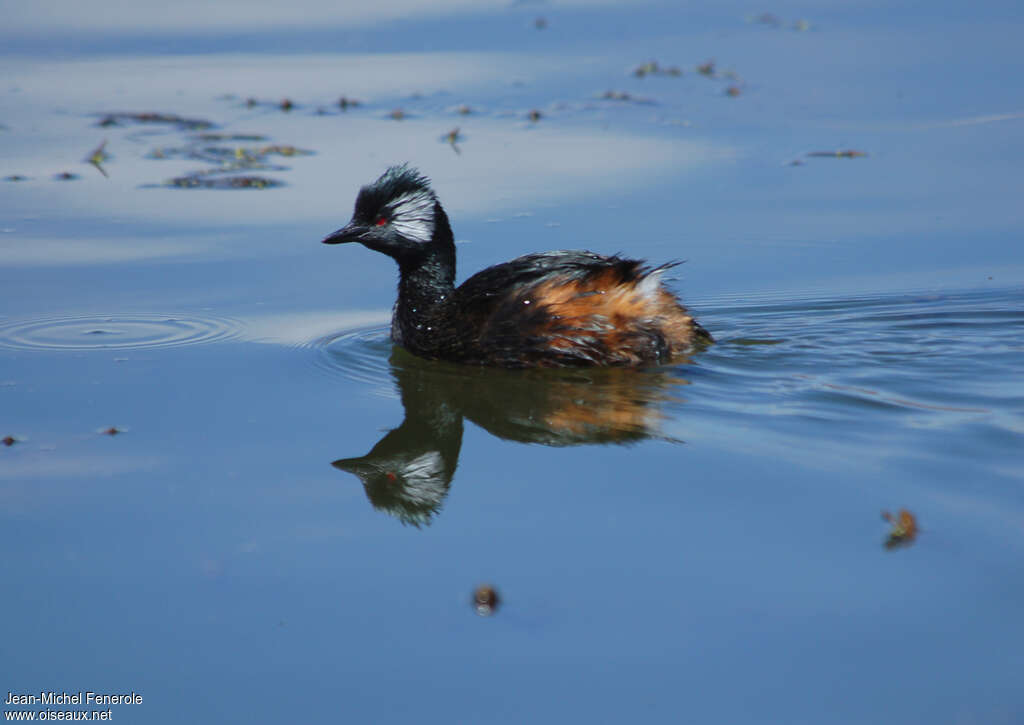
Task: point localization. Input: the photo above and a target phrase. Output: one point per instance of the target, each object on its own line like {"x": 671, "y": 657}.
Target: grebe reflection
{"x": 409, "y": 471}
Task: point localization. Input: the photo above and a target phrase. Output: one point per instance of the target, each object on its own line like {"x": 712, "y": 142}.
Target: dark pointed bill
{"x": 348, "y": 233}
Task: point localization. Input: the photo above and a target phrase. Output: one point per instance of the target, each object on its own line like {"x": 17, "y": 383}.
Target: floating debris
{"x": 651, "y": 68}
{"x": 534, "y": 115}
{"x": 733, "y": 91}
{"x": 118, "y": 119}
{"x": 65, "y": 176}
{"x": 903, "y": 529}
{"x": 111, "y": 431}
{"x": 9, "y": 440}
{"x": 398, "y": 114}
{"x": 848, "y": 154}
{"x": 463, "y": 110}
{"x": 197, "y": 181}
{"x": 16, "y": 177}
{"x": 286, "y": 105}
{"x": 98, "y": 156}
{"x": 345, "y": 103}
{"x": 229, "y": 137}
{"x": 227, "y": 160}
{"x": 283, "y": 151}
{"x": 251, "y": 102}
{"x": 486, "y": 600}
{"x": 709, "y": 69}
{"x": 776, "y": 22}
{"x": 624, "y": 97}
{"x": 540, "y": 23}
{"x": 452, "y": 138}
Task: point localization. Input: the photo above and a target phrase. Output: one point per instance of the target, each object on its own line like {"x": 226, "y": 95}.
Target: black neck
{"x": 425, "y": 286}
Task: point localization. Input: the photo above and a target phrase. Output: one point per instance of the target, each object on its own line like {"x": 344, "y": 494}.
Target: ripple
{"x": 361, "y": 355}
{"x": 114, "y": 332}
{"x": 935, "y": 359}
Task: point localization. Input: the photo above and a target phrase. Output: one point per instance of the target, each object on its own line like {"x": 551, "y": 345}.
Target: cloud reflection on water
{"x": 234, "y": 15}
{"x": 506, "y": 161}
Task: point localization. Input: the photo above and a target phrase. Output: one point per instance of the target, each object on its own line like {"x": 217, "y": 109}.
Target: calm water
{"x": 291, "y": 517}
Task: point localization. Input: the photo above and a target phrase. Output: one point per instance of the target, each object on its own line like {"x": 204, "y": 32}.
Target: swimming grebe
{"x": 553, "y": 309}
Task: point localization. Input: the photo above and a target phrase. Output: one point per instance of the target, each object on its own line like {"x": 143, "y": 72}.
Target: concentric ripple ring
{"x": 361, "y": 355}
{"x": 115, "y": 332}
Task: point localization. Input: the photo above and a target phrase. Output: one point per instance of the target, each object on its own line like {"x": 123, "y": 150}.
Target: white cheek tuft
{"x": 412, "y": 216}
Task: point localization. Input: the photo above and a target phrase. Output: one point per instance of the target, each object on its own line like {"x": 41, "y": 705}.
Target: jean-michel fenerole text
{"x": 73, "y": 698}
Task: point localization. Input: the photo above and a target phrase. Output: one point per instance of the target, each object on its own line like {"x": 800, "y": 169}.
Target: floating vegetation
{"x": 119, "y": 119}
{"x": 624, "y": 97}
{"x": 708, "y": 69}
{"x": 847, "y": 154}
{"x": 345, "y": 103}
{"x": 903, "y": 529}
{"x": 842, "y": 154}
{"x": 65, "y": 176}
{"x": 285, "y": 104}
{"x": 284, "y": 151}
{"x": 16, "y": 177}
{"x": 397, "y": 115}
{"x": 230, "y": 158}
{"x": 486, "y": 600}
{"x": 98, "y": 156}
{"x": 452, "y": 138}
{"x": 775, "y": 21}
{"x": 540, "y": 23}
{"x": 765, "y": 19}
{"x": 463, "y": 110}
{"x": 198, "y": 181}
{"x": 9, "y": 440}
{"x": 534, "y": 115}
{"x": 652, "y": 68}
{"x": 229, "y": 162}
{"x": 229, "y": 137}
{"x": 111, "y": 431}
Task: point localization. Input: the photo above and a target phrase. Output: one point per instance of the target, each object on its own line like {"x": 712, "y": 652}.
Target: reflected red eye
{"x": 381, "y": 221}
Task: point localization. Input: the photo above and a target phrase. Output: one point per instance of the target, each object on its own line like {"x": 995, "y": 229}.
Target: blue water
{"x": 292, "y": 516}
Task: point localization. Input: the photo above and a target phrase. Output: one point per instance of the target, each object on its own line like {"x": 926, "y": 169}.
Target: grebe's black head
{"x": 398, "y": 215}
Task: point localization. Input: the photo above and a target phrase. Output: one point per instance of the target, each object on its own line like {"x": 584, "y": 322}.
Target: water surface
{"x": 226, "y": 490}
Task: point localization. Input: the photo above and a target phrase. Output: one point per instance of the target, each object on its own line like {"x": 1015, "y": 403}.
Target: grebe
{"x": 552, "y": 309}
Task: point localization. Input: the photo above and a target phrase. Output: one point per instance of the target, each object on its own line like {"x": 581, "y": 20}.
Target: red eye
{"x": 381, "y": 221}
